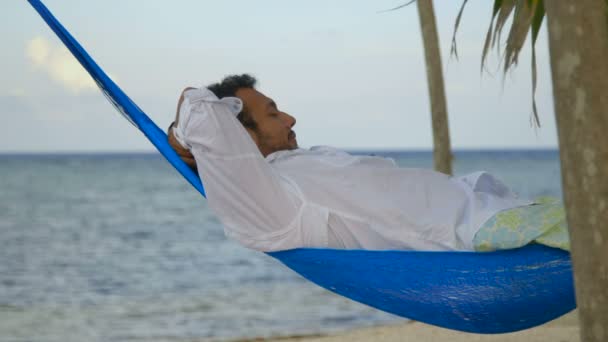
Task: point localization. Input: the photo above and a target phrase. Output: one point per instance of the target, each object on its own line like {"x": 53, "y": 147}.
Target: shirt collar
{"x": 283, "y": 154}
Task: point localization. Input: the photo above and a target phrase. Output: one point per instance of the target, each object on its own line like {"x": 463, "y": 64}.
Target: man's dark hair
{"x": 228, "y": 87}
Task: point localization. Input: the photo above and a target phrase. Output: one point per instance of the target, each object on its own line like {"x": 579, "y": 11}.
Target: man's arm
{"x": 182, "y": 152}
{"x": 258, "y": 206}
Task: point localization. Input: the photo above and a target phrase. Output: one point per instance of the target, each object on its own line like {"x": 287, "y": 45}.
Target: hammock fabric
{"x": 493, "y": 292}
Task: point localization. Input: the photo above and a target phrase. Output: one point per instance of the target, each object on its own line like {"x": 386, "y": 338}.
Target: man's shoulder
{"x": 315, "y": 151}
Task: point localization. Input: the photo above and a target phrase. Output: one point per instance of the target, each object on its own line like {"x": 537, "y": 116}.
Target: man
{"x": 271, "y": 195}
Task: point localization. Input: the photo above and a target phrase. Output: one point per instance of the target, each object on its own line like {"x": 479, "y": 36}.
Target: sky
{"x": 353, "y": 77}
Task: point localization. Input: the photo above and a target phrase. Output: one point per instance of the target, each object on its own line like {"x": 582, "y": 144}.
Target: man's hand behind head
{"x": 182, "y": 152}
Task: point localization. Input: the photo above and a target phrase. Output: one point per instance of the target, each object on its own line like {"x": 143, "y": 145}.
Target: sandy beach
{"x": 563, "y": 329}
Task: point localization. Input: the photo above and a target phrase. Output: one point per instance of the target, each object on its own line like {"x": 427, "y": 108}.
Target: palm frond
{"x": 505, "y": 8}
{"x": 522, "y": 21}
{"x": 486, "y": 44}
{"x": 537, "y": 20}
{"x": 454, "y": 49}
{"x": 526, "y": 16}
{"x": 398, "y": 7}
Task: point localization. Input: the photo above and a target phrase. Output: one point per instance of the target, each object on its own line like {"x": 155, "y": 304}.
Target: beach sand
{"x": 563, "y": 329}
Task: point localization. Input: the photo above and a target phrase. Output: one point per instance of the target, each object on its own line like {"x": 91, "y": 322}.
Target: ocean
{"x": 118, "y": 247}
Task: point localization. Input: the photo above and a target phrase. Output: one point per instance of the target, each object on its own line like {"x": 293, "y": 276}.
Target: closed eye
{"x": 272, "y": 105}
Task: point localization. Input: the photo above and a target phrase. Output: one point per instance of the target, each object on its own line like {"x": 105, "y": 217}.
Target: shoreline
{"x": 563, "y": 329}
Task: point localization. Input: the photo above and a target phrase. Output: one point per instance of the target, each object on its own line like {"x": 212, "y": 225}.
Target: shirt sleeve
{"x": 251, "y": 199}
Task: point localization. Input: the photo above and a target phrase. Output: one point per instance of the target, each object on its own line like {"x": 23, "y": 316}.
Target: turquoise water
{"x": 121, "y": 248}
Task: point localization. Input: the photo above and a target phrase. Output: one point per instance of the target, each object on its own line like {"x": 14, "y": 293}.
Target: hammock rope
{"x": 493, "y": 292}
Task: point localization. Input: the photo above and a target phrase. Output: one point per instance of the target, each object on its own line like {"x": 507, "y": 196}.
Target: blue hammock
{"x": 492, "y": 292}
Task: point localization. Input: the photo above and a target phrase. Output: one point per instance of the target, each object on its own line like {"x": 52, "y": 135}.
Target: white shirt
{"x": 327, "y": 198}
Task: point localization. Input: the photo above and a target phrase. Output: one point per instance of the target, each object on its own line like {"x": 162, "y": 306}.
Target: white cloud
{"x": 38, "y": 50}
{"x": 59, "y": 64}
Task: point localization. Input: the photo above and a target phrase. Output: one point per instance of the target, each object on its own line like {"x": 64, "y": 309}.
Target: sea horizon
{"x": 350, "y": 150}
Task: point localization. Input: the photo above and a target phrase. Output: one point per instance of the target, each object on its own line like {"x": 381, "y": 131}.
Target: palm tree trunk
{"x": 439, "y": 114}
{"x": 578, "y": 42}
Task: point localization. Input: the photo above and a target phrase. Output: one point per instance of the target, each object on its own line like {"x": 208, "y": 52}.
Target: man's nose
{"x": 290, "y": 120}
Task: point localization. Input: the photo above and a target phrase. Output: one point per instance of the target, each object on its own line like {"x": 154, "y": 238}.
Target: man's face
{"x": 273, "y": 132}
